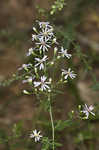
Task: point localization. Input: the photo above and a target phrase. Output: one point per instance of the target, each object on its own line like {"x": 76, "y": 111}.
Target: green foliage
{"x": 61, "y": 125}
{"x": 17, "y": 129}
{"x": 3, "y": 136}
{"x": 40, "y": 10}
{"x": 57, "y": 6}
{"x": 48, "y": 144}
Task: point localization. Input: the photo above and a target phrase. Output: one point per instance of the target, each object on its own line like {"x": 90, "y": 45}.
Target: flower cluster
{"x": 45, "y": 42}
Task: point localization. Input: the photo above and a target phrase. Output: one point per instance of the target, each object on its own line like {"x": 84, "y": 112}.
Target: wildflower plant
{"x": 48, "y": 69}
{"x": 45, "y": 73}
{"x": 47, "y": 53}
{"x": 41, "y": 81}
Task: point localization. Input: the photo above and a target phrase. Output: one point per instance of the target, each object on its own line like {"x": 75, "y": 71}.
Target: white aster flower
{"x": 68, "y": 73}
{"x": 41, "y": 62}
{"x": 88, "y": 111}
{"x": 44, "y": 25}
{"x": 30, "y": 52}
{"x": 43, "y": 44}
{"x": 36, "y": 135}
{"x": 46, "y": 33}
{"x": 43, "y": 84}
{"x": 64, "y": 53}
{"x": 25, "y": 66}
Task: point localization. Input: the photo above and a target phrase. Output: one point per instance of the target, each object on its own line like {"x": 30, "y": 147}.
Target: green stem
{"x": 52, "y": 122}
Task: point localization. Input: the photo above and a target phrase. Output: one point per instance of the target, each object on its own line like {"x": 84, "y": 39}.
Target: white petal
{"x": 37, "y": 64}
{"x": 31, "y": 136}
{"x": 41, "y": 66}
{"x": 35, "y": 131}
{"x": 45, "y": 58}
{"x": 91, "y": 108}
{"x": 86, "y": 107}
{"x": 92, "y": 113}
{"x": 43, "y": 87}
{"x": 47, "y": 86}
{"x": 36, "y": 84}
{"x": 35, "y": 139}
{"x": 87, "y": 114}
{"x": 43, "y": 78}
{"x": 69, "y": 69}
{"x": 37, "y": 59}
{"x": 66, "y": 76}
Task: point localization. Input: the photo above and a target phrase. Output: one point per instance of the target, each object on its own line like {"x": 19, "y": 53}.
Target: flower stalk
{"x": 52, "y": 121}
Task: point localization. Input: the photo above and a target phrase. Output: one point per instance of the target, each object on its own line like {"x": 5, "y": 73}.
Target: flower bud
{"x": 26, "y": 92}
{"x": 79, "y": 107}
{"x": 55, "y": 50}
{"x": 52, "y": 63}
{"x": 65, "y": 81}
{"x": 54, "y": 40}
{"x": 34, "y": 29}
{"x": 29, "y": 80}
{"x": 58, "y": 57}
{"x": 49, "y": 90}
{"x": 72, "y": 112}
{"x": 50, "y": 79}
{"x": 35, "y": 90}
{"x": 52, "y": 12}
{"x": 35, "y": 69}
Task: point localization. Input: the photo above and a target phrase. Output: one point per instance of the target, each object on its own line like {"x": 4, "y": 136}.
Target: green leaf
{"x": 17, "y": 129}
{"x": 63, "y": 124}
{"x": 58, "y": 144}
